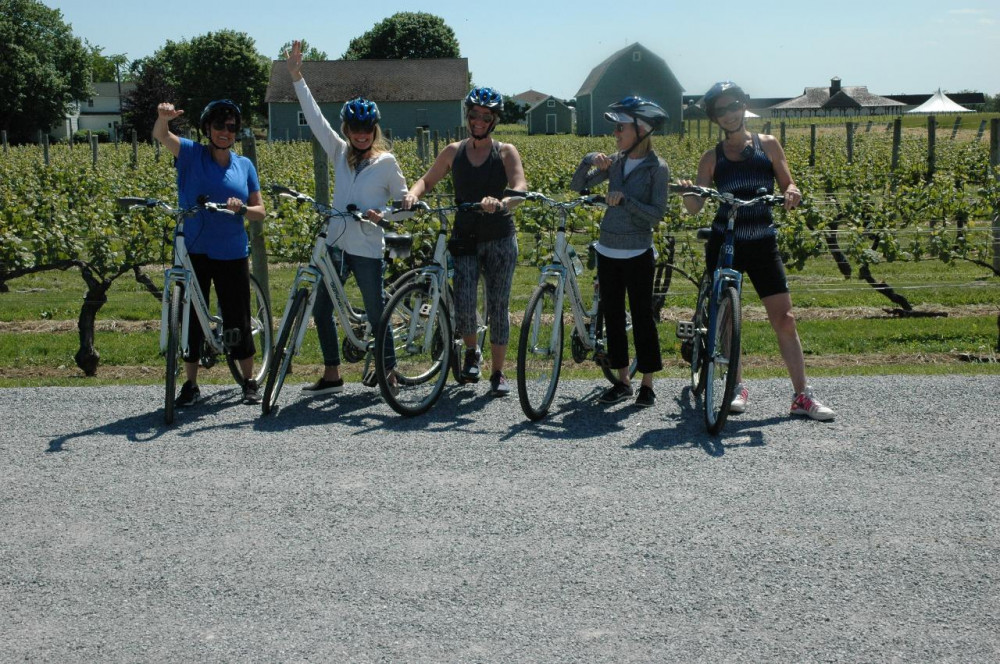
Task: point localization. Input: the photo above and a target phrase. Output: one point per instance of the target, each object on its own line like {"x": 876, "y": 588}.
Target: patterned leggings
{"x": 497, "y": 259}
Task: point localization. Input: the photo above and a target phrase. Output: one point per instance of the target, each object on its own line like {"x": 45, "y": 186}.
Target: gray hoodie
{"x": 629, "y": 225}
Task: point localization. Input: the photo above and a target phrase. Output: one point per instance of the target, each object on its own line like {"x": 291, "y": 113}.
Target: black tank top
{"x": 472, "y": 184}
{"x": 743, "y": 179}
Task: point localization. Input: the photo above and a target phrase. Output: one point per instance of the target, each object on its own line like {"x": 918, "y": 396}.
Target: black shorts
{"x": 760, "y": 260}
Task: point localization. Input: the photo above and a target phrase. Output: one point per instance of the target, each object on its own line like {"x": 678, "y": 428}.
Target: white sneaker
{"x": 739, "y": 403}
{"x": 806, "y": 404}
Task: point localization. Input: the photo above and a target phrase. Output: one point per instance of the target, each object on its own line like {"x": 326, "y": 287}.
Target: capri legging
{"x": 496, "y": 259}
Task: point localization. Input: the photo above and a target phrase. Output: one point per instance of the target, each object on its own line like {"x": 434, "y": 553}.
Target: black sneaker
{"x": 646, "y": 398}
{"x": 615, "y": 393}
{"x": 499, "y": 384}
{"x": 251, "y": 392}
{"x": 470, "y": 369}
{"x": 323, "y": 386}
{"x": 189, "y": 395}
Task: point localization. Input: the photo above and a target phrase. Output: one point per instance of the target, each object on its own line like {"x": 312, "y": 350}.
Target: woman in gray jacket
{"x": 637, "y": 200}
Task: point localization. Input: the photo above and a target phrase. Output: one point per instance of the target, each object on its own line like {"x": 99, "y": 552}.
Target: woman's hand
{"x": 410, "y": 200}
{"x": 374, "y": 216}
{"x": 491, "y": 204}
{"x": 615, "y": 198}
{"x": 792, "y": 196}
{"x": 293, "y": 60}
{"x": 236, "y": 205}
{"x": 601, "y": 161}
{"x": 167, "y": 111}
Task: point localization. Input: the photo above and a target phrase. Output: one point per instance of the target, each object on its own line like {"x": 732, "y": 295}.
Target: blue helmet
{"x": 360, "y": 112}
{"x": 727, "y": 88}
{"x": 485, "y": 97}
{"x": 220, "y": 108}
{"x": 634, "y": 108}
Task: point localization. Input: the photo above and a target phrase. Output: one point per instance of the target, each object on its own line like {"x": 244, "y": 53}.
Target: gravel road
{"x": 337, "y": 531}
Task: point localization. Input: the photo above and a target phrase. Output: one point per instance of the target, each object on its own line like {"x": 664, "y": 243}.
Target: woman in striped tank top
{"x": 742, "y": 164}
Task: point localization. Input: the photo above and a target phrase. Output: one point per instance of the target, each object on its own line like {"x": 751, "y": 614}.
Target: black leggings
{"x": 634, "y": 277}
{"x": 232, "y": 284}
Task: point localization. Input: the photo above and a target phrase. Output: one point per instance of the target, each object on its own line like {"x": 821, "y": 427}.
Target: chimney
{"x": 834, "y": 85}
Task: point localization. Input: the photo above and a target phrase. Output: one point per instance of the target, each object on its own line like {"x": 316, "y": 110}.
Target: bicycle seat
{"x": 704, "y": 234}
{"x": 399, "y": 245}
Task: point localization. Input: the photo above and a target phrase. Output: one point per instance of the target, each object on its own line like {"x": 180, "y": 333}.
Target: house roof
{"x": 542, "y": 101}
{"x": 856, "y": 96}
{"x": 334, "y": 81}
{"x": 598, "y": 72}
{"x": 530, "y": 97}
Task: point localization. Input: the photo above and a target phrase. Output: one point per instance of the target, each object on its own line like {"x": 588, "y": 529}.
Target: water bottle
{"x": 575, "y": 260}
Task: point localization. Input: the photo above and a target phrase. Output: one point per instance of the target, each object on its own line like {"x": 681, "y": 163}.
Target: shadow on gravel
{"x": 148, "y": 427}
{"x": 690, "y": 431}
{"x": 574, "y": 419}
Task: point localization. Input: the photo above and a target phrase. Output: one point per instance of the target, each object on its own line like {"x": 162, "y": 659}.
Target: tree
{"x": 43, "y": 68}
{"x": 309, "y": 52}
{"x": 403, "y": 36}
{"x": 106, "y": 67}
{"x": 512, "y": 112}
{"x": 139, "y": 105}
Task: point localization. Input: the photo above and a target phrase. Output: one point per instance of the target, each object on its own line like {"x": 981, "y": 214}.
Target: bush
{"x": 81, "y": 135}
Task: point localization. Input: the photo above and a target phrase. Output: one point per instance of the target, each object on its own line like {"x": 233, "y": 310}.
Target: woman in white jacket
{"x": 367, "y": 176}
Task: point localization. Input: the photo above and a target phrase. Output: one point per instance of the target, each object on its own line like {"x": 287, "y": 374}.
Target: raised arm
{"x": 166, "y": 112}
{"x": 331, "y": 141}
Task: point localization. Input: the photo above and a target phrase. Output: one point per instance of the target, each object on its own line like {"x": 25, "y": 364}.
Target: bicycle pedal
{"x": 685, "y": 329}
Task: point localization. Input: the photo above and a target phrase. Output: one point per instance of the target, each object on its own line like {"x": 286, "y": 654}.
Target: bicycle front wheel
{"x": 173, "y": 350}
{"x": 261, "y": 325}
{"x": 539, "y": 353}
{"x": 284, "y": 350}
{"x": 423, "y": 349}
{"x": 700, "y": 323}
{"x": 723, "y": 366}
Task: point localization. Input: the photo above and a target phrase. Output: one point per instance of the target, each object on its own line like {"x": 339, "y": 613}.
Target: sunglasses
{"x": 729, "y": 108}
{"x": 620, "y": 127}
{"x": 219, "y": 125}
{"x": 482, "y": 117}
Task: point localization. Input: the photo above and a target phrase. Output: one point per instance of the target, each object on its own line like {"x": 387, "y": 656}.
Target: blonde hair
{"x": 643, "y": 147}
{"x": 379, "y": 145}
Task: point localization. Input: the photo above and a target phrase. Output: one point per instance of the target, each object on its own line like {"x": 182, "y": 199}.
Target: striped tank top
{"x": 743, "y": 179}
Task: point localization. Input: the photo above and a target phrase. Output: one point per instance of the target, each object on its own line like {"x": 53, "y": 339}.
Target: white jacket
{"x": 375, "y": 187}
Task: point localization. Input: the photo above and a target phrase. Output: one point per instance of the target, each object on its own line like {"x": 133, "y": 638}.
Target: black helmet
{"x": 485, "y": 97}
{"x": 221, "y": 108}
{"x": 721, "y": 88}
{"x": 633, "y": 109}
{"x": 360, "y": 112}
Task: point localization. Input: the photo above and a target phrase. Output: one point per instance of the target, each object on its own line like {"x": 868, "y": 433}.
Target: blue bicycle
{"x": 712, "y": 336}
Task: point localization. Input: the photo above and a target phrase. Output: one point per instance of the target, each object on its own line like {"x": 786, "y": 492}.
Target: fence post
{"x": 849, "y": 126}
{"x": 698, "y": 128}
{"x": 954, "y": 130}
{"x": 45, "y": 146}
{"x": 421, "y": 145}
{"x": 931, "y": 148}
{"x": 135, "y": 149}
{"x": 156, "y": 148}
{"x": 93, "y": 150}
{"x": 897, "y": 139}
{"x": 321, "y": 173}
{"x": 812, "y": 145}
{"x": 4, "y": 135}
{"x": 782, "y": 129}
{"x": 258, "y": 249}
{"x": 994, "y": 163}
{"x": 436, "y": 137}
{"x": 982, "y": 130}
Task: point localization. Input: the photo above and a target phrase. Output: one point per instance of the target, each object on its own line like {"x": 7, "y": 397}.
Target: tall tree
{"x": 309, "y": 52}
{"x": 112, "y": 67}
{"x": 43, "y": 68}
{"x": 216, "y": 65}
{"x": 406, "y": 35}
{"x": 139, "y": 105}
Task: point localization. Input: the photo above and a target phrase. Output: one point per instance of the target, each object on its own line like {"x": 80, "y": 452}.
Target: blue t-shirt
{"x": 219, "y": 236}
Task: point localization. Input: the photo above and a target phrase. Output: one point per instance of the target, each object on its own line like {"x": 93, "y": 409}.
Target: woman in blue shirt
{"x": 217, "y": 244}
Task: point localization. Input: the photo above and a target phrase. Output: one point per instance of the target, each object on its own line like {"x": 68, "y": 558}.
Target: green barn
{"x": 550, "y": 116}
{"x": 634, "y": 70}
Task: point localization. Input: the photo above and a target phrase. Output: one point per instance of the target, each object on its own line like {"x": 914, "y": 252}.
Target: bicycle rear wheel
{"x": 423, "y": 349}
{"x": 700, "y": 322}
{"x": 723, "y": 367}
{"x": 539, "y": 353}
{"x": 173, "y": 351}
{"x": 284, "y": 350}
{"x": 261, "y": 325}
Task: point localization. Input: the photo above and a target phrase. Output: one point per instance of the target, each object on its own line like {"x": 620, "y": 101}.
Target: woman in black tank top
{"x": 739, "y": 162}
{"x": 486, "y": 242}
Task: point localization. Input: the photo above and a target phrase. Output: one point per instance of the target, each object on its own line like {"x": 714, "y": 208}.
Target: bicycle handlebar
{"x": 129, "y": 203}
{"x": 326, "y": 210}
{"x": 726, "y": 197}
{"x": 595, "y": 200}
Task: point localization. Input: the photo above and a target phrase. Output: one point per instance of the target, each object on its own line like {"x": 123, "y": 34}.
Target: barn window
{"x": 302, "y": 119}
{"x": 552, "y": 103}
{"x": 636, "y": 56}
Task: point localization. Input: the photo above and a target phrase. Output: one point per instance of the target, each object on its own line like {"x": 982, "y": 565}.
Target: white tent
{"x": 939, "y": 103}
{"x": 750, "y": 114}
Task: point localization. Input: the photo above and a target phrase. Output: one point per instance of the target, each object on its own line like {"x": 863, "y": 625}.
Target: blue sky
{"x": 773, "y": 48}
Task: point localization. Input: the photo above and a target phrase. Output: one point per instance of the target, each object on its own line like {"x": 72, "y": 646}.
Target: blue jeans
{"x": 368, "y": 272}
